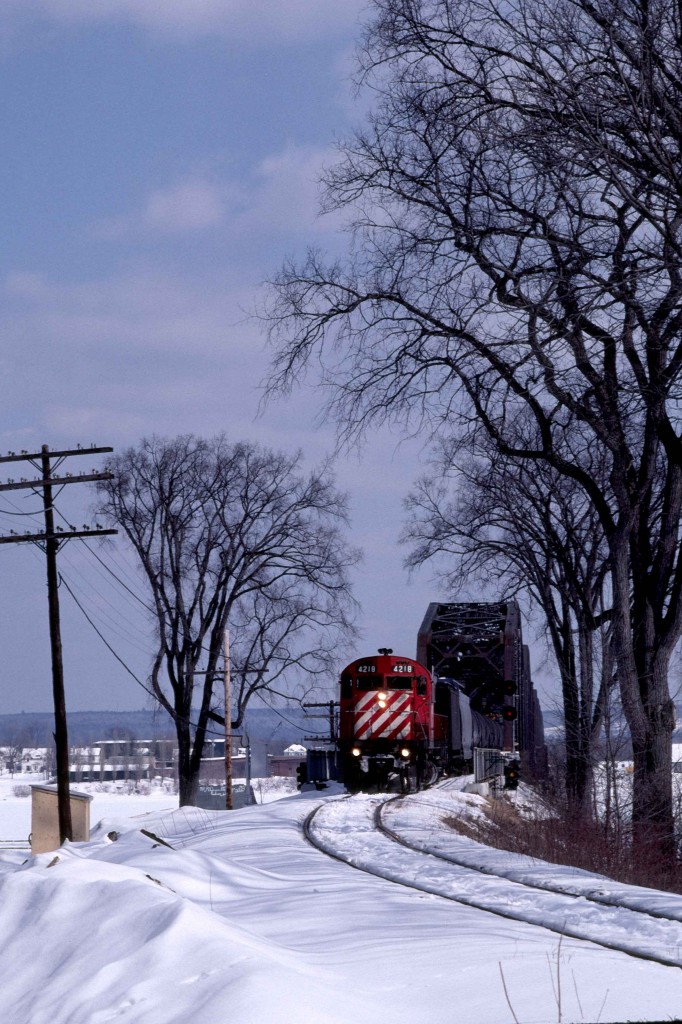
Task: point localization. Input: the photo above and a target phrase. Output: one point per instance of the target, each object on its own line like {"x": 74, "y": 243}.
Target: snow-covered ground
{"x": 241, "y": 920}
{"x": 108, "y": 799}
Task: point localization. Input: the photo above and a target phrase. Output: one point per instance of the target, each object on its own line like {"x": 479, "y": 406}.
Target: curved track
{"x": 350, "y": 829}
{"x": 522, "y": 868}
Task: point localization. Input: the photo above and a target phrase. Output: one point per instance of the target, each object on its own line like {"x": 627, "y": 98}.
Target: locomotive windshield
{"x": 398, "y": 682}
{"x": 370, "y": 682}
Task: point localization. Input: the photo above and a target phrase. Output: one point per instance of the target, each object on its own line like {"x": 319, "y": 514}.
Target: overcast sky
{"x": 160, "y": 159}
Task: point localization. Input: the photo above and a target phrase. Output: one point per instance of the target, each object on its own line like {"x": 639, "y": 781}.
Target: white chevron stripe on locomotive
{"x": 368, "y": 699}
{"x": 397, "y": 729}
{"x": 387, "y": 726}
{"x": 391, "y": 721}
{"x": 367, "y": 709}
{"x": 377, "y": 718}
{"x": 391, "y": 699}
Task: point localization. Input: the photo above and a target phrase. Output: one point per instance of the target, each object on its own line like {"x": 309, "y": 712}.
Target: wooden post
{"x": 52, "y": 541}
{"x": 247, "y": 787}
{"x": 60, "y": 730}
{"x": 228, "y": 725}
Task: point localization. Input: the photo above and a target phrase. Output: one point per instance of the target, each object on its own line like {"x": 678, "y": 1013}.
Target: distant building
{"x": 212, "y": 771}
{"x": 126, "y": 760}
{"x": 286, "y": 764}
{"x": 24, "y": 759}
{"x": 122, "y": 759}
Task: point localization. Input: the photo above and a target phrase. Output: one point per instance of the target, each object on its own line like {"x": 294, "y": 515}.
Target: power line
{"x": 83, "y": 572}
{"x": 105, "y": 641}
{"x": 111, "y": 572}
{"x": 296, "y": 725}
{"x": 181, "y": 718}
{"x": 6, "y": 512}
{"x": 124, "y": 567}
{"x": 123, "y": 636}
{"x": 148, "y": 609}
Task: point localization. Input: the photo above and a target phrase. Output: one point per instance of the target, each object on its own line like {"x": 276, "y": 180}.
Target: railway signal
{"x": 498, "y": 702}
{"x": 301, "y": 774}
{"x": 511, "y": 775}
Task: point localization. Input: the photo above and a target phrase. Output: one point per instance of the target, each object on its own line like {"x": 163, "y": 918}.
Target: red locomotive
{"x": 399, "y": 728}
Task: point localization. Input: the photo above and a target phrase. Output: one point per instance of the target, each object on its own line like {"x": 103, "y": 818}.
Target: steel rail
{"x": 506, "y": 913}
{"x": 604, "y": 901}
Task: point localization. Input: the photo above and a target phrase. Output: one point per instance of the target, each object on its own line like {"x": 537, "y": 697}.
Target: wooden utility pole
{"x": 331, "y": 706}
{"x": 61, "y": 739}
{"x": 247, "y": 774}
{"x": 51, "y": 540}
{"x": 228, "y": 724}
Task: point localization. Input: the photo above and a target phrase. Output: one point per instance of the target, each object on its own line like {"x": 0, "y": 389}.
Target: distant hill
{"x": 34, "y": 728}
{"x": 554, "y": 725}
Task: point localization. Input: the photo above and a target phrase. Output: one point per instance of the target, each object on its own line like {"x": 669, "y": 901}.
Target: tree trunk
{"x": 577, "y": 727}
{"x": 652, "y": 800}
{"x": 188, "y": 781}
{"x": 650, "y": 714}
{"x": 577, "y": 773}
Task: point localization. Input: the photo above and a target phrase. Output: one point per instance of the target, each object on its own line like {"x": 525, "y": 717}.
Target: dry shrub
{"x": 561, "y": 836}
{"x": 21, "y": 790}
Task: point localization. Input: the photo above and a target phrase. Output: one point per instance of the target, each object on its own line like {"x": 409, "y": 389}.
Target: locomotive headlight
{"x": 382, "y": 697}
{"x": 405, "y": 753}
{"x": 356, "y": 751}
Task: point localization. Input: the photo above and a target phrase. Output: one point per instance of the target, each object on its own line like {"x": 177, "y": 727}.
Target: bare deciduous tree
{"x": 517, "y": 198}
{"x": 523, "y": 528}
{"x": 290, "y": 631}
{"x": 231, "y": 534}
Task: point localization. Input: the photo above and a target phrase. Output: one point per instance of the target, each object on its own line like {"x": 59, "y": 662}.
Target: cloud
{"x": 249, "y": 22}
{"x": 128, "y": 354}
{"x": 139, "y": 352}
{"x": 151, "y": 346}
{"x": 136, "y": 312}
{"x": 280, "y": 196}
{"x": 188, "y": 207}
{"x": 160, "y": 344}
{"x": 285, "y": 192}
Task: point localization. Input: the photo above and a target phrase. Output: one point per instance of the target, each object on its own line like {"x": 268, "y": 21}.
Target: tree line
{"x": 513, "y": 287}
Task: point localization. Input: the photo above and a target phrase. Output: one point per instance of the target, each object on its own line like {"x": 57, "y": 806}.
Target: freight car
{"x": 400, "y": 727}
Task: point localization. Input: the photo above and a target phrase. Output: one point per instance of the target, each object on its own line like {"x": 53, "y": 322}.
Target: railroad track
{"x": 523, "y": 868}
{"x": 352, "y": 831}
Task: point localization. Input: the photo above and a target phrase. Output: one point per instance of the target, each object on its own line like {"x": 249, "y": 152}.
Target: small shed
{"x": 45, "y": 818}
